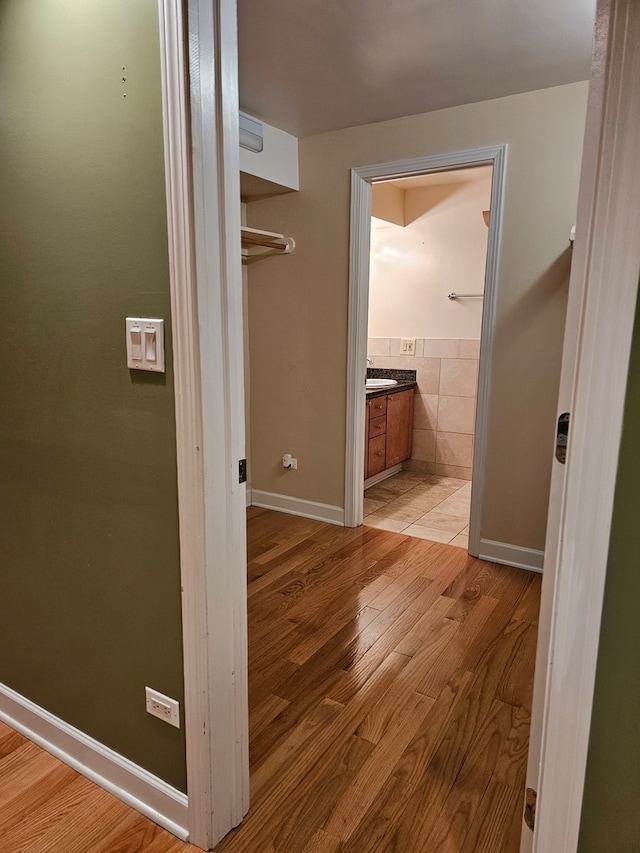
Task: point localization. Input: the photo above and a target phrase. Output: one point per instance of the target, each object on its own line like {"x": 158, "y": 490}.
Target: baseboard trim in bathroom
{"x": 298, "y": 506}
{"x": 383, "y": 475}
{"x": 249, "y": 497}
{"x": 511, "y": 555}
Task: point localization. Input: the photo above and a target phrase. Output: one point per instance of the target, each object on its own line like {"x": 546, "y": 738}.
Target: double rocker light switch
{"x": 145, "y": 344}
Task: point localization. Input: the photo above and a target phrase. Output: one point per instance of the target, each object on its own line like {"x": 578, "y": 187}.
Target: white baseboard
{"x": 298, "y": 506}
{"x": 121, "y": 777}
{"x": 249, "y": 497}
{"x": 511, "y": 555}
{"x": 383, "y": 475}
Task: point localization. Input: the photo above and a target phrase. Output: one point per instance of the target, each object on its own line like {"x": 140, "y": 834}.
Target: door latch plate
{"x": 562, "y": 437}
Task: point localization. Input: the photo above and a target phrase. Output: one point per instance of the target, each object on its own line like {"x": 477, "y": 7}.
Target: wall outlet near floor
{"x": 289, "y": 462}
{"x": 407, "y": 346}
{"x": 163, "y": 707}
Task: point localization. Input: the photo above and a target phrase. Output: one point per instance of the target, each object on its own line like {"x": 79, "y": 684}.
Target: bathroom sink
{"x": 380, "y": 383}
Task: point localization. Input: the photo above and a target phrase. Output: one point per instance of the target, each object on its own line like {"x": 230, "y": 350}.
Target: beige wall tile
{"x": 419, "y": 347}
{"x": 441, "y": 348}
{"x": 377, "y": 346}
{"x": 458, "y": 471}
{"x": 418, "y": 466}
{"x": 469, "y": 349}
{"x": 454, "y": 448}
{"x": 428, "y": 375}
{"x": 424, "y": 445}
{"x": 456, "y": 414}
{"x": 394, "y": 346}
{"x": 458, "y": 377}
{"x": 425, "y": 411}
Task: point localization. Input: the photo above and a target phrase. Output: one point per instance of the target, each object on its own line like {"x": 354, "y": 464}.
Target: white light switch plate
{"x": 145, "y": 344}
{"x": 407, "y": 346}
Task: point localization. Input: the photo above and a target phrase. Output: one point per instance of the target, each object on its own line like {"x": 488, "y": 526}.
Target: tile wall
{"x": 445, "y": 404}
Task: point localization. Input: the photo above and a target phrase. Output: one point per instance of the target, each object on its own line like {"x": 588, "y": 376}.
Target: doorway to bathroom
{"x": 422, "y": 295}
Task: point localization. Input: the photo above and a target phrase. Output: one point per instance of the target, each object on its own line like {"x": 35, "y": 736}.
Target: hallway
{"x": 390, "y": 692}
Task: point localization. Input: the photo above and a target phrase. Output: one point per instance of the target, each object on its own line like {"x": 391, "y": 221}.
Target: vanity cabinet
{"x": 388, "y": 431}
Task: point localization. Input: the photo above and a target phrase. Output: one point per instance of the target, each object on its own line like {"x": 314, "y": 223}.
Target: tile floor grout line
{"x": 389, "y": 489}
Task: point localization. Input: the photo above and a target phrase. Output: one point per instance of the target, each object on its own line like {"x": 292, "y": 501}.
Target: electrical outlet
{"x": 162, "y": 707}
{"x": 407, "y": 346}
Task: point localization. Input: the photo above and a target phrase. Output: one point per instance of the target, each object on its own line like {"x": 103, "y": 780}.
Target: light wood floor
{"x": 46, "y": 807}
{"x": 390, "y": 693}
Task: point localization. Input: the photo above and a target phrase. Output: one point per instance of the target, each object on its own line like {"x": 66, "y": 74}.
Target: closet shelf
{"x": 261, "y": 244}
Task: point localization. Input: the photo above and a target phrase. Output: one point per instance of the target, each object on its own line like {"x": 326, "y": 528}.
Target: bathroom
{"x": 427, "y": 273}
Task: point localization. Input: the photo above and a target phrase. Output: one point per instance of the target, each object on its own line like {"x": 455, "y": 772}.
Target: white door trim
{"x": 607, "y": 261}
{"x": 360, "y": 242}
{"x": 203, "y": 202}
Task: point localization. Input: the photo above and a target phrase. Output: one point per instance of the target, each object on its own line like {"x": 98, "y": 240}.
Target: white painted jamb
{"x": 202, "y": 156}
{"x": 360, "y": 241}
{"x": 608, "y": 237}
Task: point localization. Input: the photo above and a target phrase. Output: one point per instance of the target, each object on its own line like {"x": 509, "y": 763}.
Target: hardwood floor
{"x": 46, "y": 807}
{"x": 390, "y": 692}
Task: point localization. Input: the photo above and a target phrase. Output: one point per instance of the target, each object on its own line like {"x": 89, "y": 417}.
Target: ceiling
{"x": 310, "y": 66}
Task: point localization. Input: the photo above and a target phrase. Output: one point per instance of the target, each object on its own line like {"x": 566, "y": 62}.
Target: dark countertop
{"x": 403, "y": 385}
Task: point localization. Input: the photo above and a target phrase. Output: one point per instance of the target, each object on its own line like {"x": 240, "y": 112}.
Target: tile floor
{"x": 422, "y": 505}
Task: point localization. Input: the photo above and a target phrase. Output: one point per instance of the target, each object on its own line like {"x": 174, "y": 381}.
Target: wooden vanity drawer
{"x": 377, "y": 426}
{"x": 377, "y": 407}
{"x": 376, "y": 455}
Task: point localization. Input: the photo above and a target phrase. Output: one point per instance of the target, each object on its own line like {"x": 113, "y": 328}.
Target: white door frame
{"x": 605, "y": 273}
{"x": 203, "y": 201}
{"x": 362, "y": 179}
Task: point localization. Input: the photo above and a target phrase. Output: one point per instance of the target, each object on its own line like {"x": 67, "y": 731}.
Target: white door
{"x": 602, "y": 294}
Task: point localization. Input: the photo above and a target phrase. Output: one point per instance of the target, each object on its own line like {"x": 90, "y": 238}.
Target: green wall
{"x": 89, "y": 561}
{"x": 611, "y": 805}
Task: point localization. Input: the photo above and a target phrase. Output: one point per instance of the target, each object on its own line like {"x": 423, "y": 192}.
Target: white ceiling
{"x": 309, "y": 66}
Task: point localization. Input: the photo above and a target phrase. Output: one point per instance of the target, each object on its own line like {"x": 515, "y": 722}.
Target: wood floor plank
{"x": 495, "y": 827}
{"x": 516, "y": 684}
{"x": 42, "y": 775}
{"x": 264, "y": 713}
{"x": 322, "y": 842}
{"x": 55, "y": 827}
{"x": 9, "y": 741}
{"x": 277, "y": 761}
{"x": 367, "y": 784}
{"x": 313, "y": 640}
{"x": 412, "y": 765}
{"x": 511, "y": 766}
{"x": 449, "y": 658}
{"x": 377, "y": 824}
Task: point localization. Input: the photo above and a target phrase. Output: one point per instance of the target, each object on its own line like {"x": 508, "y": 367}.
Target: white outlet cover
{"x": 163, "y": 707}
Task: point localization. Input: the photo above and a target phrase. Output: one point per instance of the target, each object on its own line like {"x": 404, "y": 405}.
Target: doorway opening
{"x": 424, "y": 245}
{"x": 426, "y": 287}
